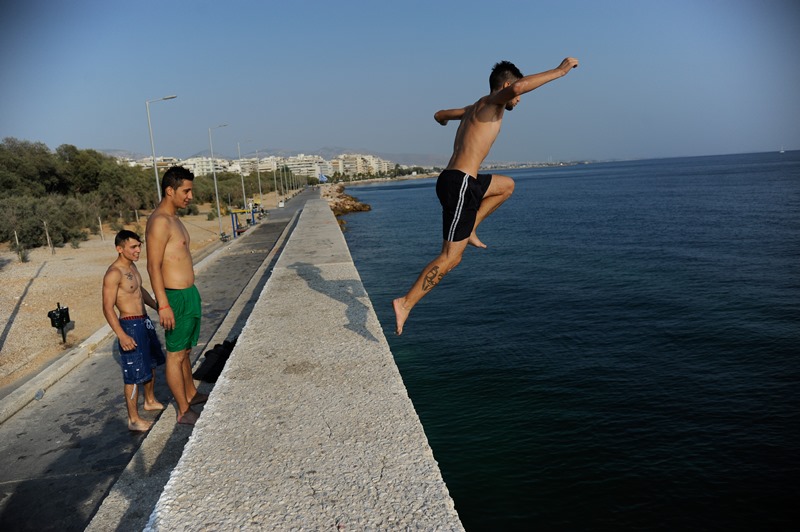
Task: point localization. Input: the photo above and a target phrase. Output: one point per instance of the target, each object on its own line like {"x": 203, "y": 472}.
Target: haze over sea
{"x": 623, "y": 356}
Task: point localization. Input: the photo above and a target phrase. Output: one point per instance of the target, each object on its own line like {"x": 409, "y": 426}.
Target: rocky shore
{"x": 342, "y": 203}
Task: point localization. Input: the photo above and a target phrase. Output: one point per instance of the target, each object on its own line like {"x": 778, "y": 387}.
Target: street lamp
{"x": 275, "y": 184}
{"x": 214, "y": 173}
{"x": 152, "y": 144}
{"x": 284, "y": 181}
{"x": 258, "y": 173}
{"x": 241, "y": 174}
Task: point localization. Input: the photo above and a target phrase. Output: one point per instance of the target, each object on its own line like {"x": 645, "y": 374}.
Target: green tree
{"x": 35, "y": 167}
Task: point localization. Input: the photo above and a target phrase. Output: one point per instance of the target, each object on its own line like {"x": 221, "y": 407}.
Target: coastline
{"x": 342, "y": 203}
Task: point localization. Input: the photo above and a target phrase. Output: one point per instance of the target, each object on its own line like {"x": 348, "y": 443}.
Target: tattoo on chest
{"x": 129, "y": 276}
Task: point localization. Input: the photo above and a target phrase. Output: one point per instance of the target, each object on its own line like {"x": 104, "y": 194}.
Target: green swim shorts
{"x": 187, "y": 308}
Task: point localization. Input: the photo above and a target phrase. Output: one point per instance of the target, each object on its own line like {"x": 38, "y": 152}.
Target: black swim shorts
{"x": 460, "y": 195}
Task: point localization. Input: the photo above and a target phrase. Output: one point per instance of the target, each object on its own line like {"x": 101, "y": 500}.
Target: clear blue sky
{"x": 657, "y": 78}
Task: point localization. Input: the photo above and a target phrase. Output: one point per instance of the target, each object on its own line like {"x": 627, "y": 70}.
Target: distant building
{"x": 349, "y": 164}
{"x": 308, "y": 165}
{"x": 203, "y": 165}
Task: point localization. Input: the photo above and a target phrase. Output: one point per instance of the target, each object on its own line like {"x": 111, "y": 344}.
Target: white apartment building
{"x": 203, "y": 165}
{"x": 376, "y": 164}
{"x": 352, "y": 164}
{"x": 161, "y": 162}
{"x": 308, "y": 165}
{"x": 357, "y": 164}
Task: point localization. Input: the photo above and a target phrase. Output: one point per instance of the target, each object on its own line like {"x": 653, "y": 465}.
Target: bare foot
{"x": 400, "y": 313}
{"x": 475, "y": 241}
{"x": 190, "y": 417}
{"x": 199, "y": 398}
{"x": 153, "y": 406}
{"x": 140, "y": 425}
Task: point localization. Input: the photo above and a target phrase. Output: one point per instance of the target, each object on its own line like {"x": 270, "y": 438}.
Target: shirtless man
{"x": 169, "y": 263}
{"x": 139, "y": 347}
{"x": 466, "y": 196}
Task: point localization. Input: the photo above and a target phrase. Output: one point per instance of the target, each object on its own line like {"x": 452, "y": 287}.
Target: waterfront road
{"x": 60, "y": 455}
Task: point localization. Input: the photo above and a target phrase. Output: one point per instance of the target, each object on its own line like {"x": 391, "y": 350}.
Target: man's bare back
{"x": 479, "y": 127}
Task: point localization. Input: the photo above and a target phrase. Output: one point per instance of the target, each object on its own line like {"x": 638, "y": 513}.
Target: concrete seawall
{"x": 310, "y": 425}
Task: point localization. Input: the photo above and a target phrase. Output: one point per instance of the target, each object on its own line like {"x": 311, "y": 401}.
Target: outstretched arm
{"x": 534, "y": 81}
{"x": 449, "y": 114}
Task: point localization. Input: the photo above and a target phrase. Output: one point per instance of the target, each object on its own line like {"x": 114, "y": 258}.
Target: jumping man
{"x": 467, "y": 197}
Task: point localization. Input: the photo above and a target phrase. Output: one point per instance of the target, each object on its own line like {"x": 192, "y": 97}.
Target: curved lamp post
{"x": 152, "y": 144}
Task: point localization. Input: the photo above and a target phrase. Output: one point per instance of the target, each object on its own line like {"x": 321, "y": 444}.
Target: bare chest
{"x": 129, "y": 282}
{"x": 178, "y": 244}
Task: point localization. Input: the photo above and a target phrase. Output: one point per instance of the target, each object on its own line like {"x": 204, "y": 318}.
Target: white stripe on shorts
{"x": 457, "y": 216}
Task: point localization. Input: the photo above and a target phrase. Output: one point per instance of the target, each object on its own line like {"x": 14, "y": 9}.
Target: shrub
{"x": 191, "y": 209}
{"x": 22, "y": 253}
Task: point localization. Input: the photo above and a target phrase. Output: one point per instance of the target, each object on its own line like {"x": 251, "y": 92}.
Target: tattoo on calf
{"x": 431, "y": 279}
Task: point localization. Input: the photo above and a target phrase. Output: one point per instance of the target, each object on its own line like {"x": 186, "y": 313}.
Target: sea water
{"x": 624, "y": 355}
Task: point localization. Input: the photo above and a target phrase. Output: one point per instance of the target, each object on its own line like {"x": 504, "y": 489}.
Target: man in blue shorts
{"x": 140, "y": 349}
{"x": 467, "y": 197}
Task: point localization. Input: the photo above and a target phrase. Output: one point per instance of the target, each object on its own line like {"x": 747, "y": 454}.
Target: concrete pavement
{"x": 309, "y": 427}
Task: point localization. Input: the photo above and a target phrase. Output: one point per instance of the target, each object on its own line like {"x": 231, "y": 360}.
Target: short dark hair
{"x": 173, "y": 178}
{"x": 502, "y": 72}
{"x": 125, "y": 235}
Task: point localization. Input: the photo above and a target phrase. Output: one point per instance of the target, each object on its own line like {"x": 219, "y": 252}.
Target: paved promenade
{"x": 309, "y": 426}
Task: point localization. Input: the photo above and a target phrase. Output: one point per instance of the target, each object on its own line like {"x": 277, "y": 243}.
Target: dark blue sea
{"x": 624, "y": 356}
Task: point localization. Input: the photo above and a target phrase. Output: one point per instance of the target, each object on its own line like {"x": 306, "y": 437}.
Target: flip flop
{"x": 181, "y": 421}
{"x": 195, "y": 401}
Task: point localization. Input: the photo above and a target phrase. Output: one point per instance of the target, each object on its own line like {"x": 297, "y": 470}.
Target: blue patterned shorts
{"x": 138, "y": 364}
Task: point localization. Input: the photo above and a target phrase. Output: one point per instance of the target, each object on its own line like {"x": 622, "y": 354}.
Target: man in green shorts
{"x": 169, "y": 263}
